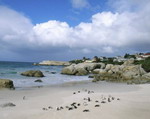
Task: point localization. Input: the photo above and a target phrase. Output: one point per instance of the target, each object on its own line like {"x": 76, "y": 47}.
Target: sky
{"x": 36, "y": 30}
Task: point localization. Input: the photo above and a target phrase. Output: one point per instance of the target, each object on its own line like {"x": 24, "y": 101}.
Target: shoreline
{"x": 133, "y": 104}
{"x": 73, "y": 84}
{"x": 51, "y": 85}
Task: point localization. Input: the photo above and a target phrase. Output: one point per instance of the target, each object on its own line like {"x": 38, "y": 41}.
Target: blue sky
{"x": 35, "y": 30}
{"x": 43, "y": 10}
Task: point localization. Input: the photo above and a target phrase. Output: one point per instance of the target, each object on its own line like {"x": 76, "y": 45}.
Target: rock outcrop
{"x": 126, "y": 72}
{"x": 33, "y": 73}
{"x": 53, "y": 63}
{"x": 146, "y": 76}
{"x": 6, "y": 83}
{"x": 81, "y": 68}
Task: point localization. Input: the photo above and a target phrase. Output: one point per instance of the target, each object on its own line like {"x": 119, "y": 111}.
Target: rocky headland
{"x": 53, "y": 63}
{"x": 127, "y": 72}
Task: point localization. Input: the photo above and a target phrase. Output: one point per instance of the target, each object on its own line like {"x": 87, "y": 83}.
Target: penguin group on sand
{"x": 85, "y": 102}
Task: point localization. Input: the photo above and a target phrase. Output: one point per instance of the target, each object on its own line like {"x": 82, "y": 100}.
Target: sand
{"x": 130, "y": 101}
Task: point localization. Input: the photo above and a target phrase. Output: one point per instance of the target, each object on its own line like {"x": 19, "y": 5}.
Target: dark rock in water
{"x": 33, "y": 73}
{"x": 91, "y": 76}
{"x": 53, "y": 72}
{"x": 96, "y": 101}
{"x": 86, "y": 110}
{"x": 8, "y": 105}
{"x": 38, "y": 80}
{"x": 6, "y": 83}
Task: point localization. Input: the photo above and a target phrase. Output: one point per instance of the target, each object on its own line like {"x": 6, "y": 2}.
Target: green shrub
{"x": 145, "y": 64}
{"x": 76, "y": 61}
{"x": 110, "y": 61}
{"x": 128, "y": 56}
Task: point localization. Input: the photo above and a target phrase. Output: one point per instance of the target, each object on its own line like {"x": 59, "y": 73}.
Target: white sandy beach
{"x": 133, "y": 103}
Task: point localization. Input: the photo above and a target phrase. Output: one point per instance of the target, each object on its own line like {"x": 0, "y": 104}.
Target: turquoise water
{"x": 12, "y": 70}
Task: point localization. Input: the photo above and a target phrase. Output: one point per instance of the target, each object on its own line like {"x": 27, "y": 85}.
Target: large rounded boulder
{"x": 33, "y": 73}
{"x": 81, "y": 68}
{"x": 6, "y": 83}
{"x": 70, "y": 70}
{"x": 122, "y": 73}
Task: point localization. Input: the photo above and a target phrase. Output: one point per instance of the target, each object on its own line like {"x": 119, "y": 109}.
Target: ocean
{"x": 12, "y": 70}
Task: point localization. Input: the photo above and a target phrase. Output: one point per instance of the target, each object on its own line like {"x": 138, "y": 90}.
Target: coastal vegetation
{"x": 130, "y": 68}
{"x": 145, "y": 64}
{"x": 111, "y": 61}
{"x": 139, "y": 58}
{"x": 128, "y": 56}
{"x": 77, "y": 61}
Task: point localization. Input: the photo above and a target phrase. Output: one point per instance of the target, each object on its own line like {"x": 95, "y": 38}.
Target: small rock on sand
{"x": 38, "y": 80}
{"x": 8, "y": 105}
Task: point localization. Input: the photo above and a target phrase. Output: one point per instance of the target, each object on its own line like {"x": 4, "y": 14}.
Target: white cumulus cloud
{"x": 108, "y": 32}
{"x": 53, "y": 33}
{"x": 15, "y": 28}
